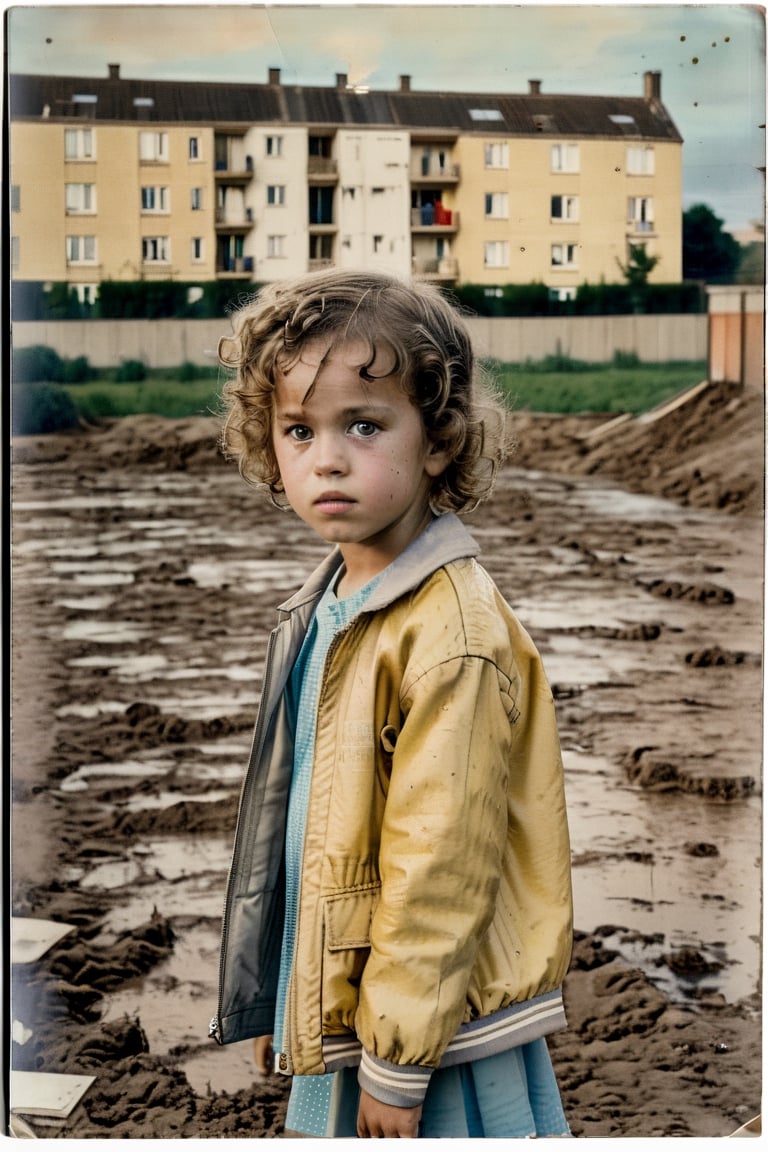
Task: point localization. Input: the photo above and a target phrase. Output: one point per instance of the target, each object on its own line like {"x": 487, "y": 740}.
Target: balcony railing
{"x": 434, "y": 172}
{"x": 445, "y": 269}
{"x": 323, "y": 166}
{"x": 434, "y": 217}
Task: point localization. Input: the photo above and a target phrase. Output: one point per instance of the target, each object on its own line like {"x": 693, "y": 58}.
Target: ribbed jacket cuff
{"x": 402, "y": 1085}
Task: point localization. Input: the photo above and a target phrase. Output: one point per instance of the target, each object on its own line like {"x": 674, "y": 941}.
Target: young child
{"x": 398, "y": 911}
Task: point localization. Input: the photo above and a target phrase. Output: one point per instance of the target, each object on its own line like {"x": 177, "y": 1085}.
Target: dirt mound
{"x": 684, "y": 453}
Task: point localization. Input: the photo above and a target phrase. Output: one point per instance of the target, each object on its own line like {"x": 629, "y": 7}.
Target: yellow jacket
{"x": 435, "y": 915}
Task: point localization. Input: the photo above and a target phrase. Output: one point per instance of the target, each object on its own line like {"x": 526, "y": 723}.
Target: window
{"x": 15, "y": 252}
{"x": 562, "y": 294}
{"x": 377, "y": 243}
{"x": 321, "y": 205}
{"x": 274, "y": 145}
{"x": 565, "y": 158}
{"x": 15, "y": 197}
{"x": 80, "y": 197}
{"x": 194, "y": 148}
{"x": 275, "y": 246}
{"x": 197, "y": 199}
{"x": 153, "y": 147}
{"x": 640, "y": 213}
{"x": 276, "y": 194}
{"x": 641, "y": 161}
{"x": 485, "y": 114}
{"x": 497, "y": 205}
{"x": 155, "y": 249}
{"x": 565, "y": 256}
{"x": 79, "y": 144}
{"x": 155, "y": 199}
{"x": 497, "y": 254}
{"x": 497, "y": 154}
{"x": 198, "y": 249}
{"x": 564, "y": 208}
{"x": 81, "y": 249}
{"x": 143, "y": 101}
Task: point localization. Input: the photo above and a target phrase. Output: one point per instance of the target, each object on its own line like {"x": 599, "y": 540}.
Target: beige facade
{"x": 100, "y": 197}
{"x": 564, "y": 212}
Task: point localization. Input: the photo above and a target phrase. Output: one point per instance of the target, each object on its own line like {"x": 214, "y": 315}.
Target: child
{"x": 399, "y": 905}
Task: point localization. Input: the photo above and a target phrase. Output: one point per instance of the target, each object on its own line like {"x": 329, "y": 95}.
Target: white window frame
{"x": 79, "y": 144}
{"x": 565, "y": 156}
{"x": 275, "y": 247}
{"x": 81, "y": 249}
{"x": 276, "y": 195}
{"x": 640, "y": 213}
{"x": 564, "y": 256}
{"x": 80, "y": 199}
{"x": 569, "y": 209}
{"x": 197, "y": 249}
{"x": 153, "y": 147}
{"x": 641, "y": 160}
{"x": 496, "y": 154}
{"x": 155, "y": 250}
{"x": 155, "y": 199}
{"x": 497, "y": 205}
{"x": 15, "y": 252}
{"x": 563, "y": 294}
{"x": 15, "y": 197}
{"x": 194, "y": 148}
{"x": 196, "y": 199}
{"x": 496, "y": 254}
{"x": 273, "y": 145}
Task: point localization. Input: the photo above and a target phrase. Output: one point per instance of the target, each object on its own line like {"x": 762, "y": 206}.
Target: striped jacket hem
{"x": 406, "y": 1085}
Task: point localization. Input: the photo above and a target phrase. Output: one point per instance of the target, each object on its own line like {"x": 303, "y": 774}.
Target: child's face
{"x": 353, "y": 456}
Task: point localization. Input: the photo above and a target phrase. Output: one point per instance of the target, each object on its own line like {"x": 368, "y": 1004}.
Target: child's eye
{"x": 364, "y": 428}
{"x": 300, "y": 432}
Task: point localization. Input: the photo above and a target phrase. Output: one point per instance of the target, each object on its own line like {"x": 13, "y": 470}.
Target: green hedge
{"x": 165, "y": 299}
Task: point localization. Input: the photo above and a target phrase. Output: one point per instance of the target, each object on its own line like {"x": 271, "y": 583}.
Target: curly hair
{"x": 462, "y": 412}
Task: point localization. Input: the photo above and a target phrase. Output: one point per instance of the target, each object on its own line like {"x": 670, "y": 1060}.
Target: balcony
{"x": 322, "y": 169}
{"x": 434, "y": 173}
{"x": 438, "y": 271}
{"x": 239, "y": 222}
{"x": 234, "y": 170}
{"x": 236, "y": 268}
{"x": 434, "y": 219}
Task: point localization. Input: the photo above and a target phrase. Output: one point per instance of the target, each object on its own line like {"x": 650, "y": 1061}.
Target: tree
{"x": 709, "y": 253}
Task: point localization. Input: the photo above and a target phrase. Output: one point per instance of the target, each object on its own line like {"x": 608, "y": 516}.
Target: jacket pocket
{"x": 347, "y": 941}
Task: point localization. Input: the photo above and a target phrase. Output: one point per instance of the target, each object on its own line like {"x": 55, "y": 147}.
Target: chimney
{"x": 274, "y": 76}
{"x": 405, "y": 83}
{"x": 341, "y": 81}
{"x": 114, "y": 71}
{"x": 652, "y": 86}
{"x": 534, "y": 87}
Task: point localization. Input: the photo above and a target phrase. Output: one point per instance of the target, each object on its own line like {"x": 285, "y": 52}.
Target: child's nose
{"x": 330, "y": 457}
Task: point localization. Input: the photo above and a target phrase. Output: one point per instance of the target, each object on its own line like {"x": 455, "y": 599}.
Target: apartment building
{"x": 121, "y": 179}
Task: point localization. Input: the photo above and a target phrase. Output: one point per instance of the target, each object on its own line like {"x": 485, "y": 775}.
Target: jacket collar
{"x": 443, "y": 540}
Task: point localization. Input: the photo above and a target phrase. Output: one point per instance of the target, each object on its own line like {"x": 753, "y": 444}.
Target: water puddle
{"x": 104, "y": 774}
{"x": 630, "y": 871}
{"x": 103, "y": 632}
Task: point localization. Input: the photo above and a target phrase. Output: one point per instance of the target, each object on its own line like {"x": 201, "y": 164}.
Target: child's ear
{"x": 436, "y": 460}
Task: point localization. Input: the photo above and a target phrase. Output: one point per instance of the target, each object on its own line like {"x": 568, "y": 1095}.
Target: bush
{"x": 130, "y": 371}
{"x": 77, "y": 371}
{"x": 40, "y": 408}
{"x": 36, "y": 364}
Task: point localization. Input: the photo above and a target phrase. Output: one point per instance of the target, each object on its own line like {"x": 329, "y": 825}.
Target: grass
{"x": 105, "y": 399}
{"x": 556, "y": 384}
{"x": 576, "y": 388}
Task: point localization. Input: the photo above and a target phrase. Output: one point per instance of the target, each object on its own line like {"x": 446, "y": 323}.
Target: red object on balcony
{"x": 442, "y": 215}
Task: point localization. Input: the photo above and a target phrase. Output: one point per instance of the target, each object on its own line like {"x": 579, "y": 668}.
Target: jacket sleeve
{"x": 442, "y": 841}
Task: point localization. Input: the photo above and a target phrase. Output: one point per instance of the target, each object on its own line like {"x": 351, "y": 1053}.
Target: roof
{"x": 116, "y": 99}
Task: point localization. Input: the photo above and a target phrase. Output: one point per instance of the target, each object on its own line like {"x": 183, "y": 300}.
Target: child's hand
{"x": 375, "y": 1119}
{"x": 262, "y": 1054}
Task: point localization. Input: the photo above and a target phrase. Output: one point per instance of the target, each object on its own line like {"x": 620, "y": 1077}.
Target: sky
{"x": 711, "y": 57}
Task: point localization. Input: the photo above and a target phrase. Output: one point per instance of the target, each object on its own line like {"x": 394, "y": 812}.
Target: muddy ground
{"x": 145, "y": 575}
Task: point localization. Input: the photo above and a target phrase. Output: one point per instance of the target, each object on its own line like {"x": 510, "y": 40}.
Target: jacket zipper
{"x": 214, "y": 1028}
